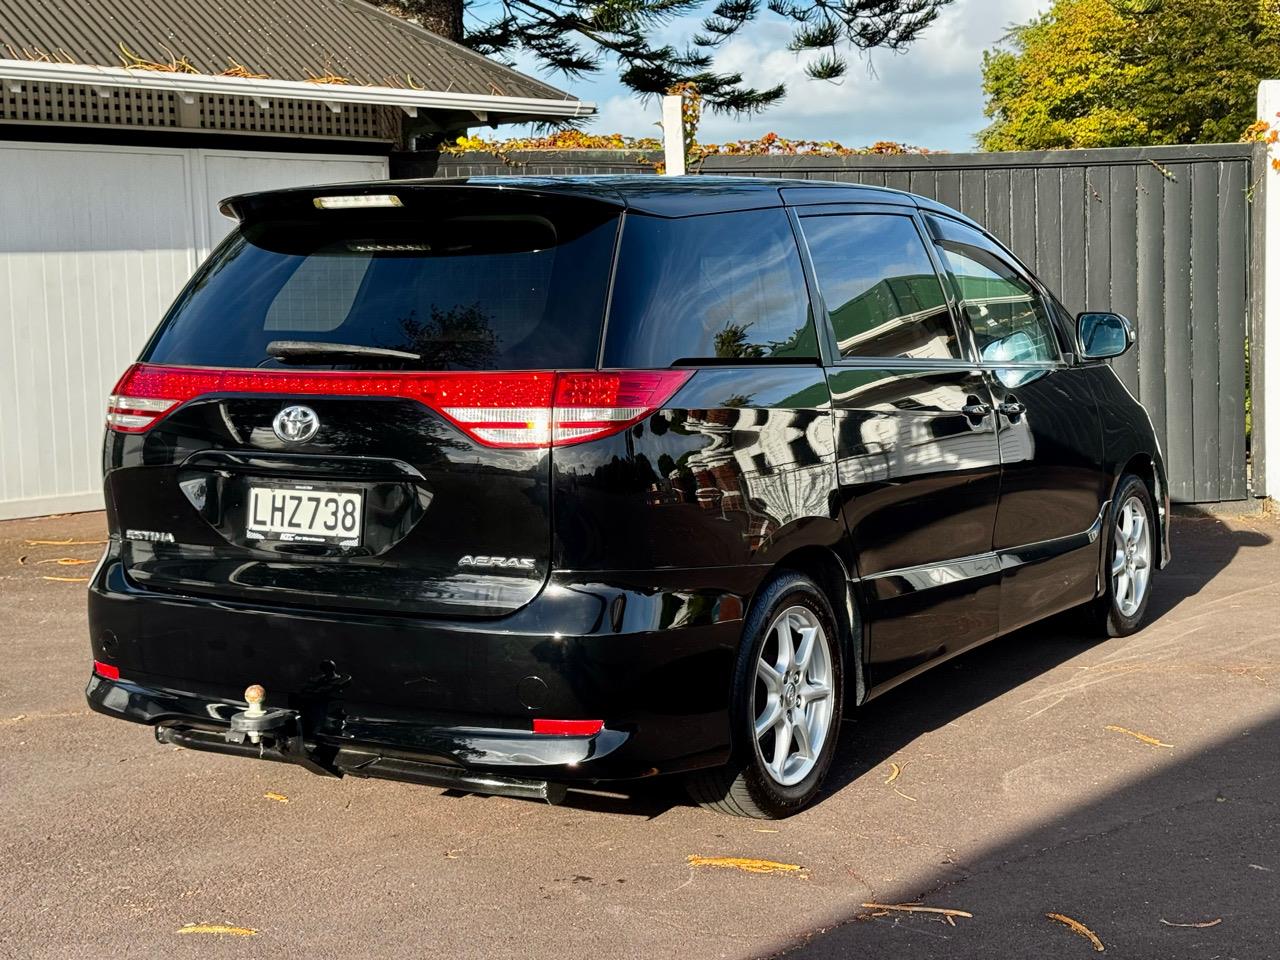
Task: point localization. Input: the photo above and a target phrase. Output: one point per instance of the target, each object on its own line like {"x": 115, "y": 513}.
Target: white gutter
{"x": 104, "y": 79}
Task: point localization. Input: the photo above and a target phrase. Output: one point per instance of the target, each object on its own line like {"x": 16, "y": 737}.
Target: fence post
{"x": 673, "y": 134}
{"x": 1264, "y": 340}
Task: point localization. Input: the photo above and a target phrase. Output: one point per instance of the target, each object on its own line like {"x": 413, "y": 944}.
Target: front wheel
{"x": 785, "y": 707}
{"x": 1128, "y": 559}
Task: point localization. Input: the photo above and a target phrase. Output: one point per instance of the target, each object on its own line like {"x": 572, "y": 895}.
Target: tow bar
{"x": 250, "y": 724}
{"x": 274, "y": 734}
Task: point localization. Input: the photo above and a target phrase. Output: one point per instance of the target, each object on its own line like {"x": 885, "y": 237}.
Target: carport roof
{"x": 287, "y": 41}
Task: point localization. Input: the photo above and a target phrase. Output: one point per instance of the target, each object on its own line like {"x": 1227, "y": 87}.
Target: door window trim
{"x": 827, "y": 343}
{"x": 1065, "y": 357}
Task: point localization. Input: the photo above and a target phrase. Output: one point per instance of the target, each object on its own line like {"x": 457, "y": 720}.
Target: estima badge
{"x": 511, "y": 563}
{"x": 296, "y": 424}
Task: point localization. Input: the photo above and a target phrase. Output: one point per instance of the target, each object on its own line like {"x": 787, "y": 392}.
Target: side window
{"x": 725, "y": 286}
{"x": 1009, "y": 318}
{"x": 881, "y": 291}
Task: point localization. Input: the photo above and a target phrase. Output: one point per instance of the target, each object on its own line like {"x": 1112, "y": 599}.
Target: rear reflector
{"x": 568, "y": 728}
{"x": 106, "y": 670}
{"x": 524, "y": 409}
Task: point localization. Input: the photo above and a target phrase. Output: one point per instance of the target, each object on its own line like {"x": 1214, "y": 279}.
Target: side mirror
{"x": 1104, "y": 335}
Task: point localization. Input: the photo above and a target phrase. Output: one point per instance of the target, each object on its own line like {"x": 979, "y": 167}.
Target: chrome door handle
{"x": 1012, "y": 409}
{"x": 975, "y": 410}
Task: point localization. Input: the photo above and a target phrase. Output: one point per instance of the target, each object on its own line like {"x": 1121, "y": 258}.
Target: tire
{"x": 788, "y": 779}
{"x": 1119, "y": 611}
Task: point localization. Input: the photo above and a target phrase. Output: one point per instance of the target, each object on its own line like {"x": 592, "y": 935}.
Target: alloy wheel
{"x": 793, "y": 699}
{"x": 1131, "y": 560}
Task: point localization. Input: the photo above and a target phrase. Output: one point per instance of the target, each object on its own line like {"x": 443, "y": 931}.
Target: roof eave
{"x": 24, "y": 71}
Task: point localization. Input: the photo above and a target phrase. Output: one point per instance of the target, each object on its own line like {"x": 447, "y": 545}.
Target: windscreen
{"x": 494, "y": 283}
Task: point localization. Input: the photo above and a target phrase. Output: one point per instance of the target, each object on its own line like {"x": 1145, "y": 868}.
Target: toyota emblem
{"x": 296, "y": 424}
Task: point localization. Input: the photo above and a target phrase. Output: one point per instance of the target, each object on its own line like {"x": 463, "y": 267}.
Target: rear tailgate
{"x": 412, "y": 477}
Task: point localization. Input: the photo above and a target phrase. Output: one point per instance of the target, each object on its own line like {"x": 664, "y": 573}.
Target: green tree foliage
{"x": 1111, "y": 73}
{"x": 579, "y": 37}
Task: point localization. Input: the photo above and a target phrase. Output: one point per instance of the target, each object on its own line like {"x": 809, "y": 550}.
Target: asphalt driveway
{"x": 1130, "y": 786}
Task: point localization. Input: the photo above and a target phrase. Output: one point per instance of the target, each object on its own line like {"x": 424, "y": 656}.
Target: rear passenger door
{"x": 1054, "y": 479}
{"x": 916, "y": 444}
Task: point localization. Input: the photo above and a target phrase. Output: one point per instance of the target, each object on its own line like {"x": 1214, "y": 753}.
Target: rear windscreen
{"x": 496, "y": 284}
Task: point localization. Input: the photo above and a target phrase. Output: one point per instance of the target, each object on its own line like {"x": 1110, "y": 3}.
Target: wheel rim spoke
{"x": 813, "y": 692}
{"x": 808, "y": 637}
{"x": 781, "y": 749}
{"x": 1137, "y": 529}
{"x": 800, "y": 733}
{"x": 769, "y": 718}
{"x": 786, "y": 645}
{"x": 770, "y": 676}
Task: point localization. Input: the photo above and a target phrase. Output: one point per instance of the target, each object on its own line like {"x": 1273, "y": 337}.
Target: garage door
{"x": 97, "y": 242}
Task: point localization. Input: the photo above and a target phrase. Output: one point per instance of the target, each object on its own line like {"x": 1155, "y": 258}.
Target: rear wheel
{"x": 1128, "y": 561}
{"x": 785, "y": 707}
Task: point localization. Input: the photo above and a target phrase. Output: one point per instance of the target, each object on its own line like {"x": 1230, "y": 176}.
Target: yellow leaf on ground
{"x": 745, "y": 864}
{"x": 1080, "y": 928}
{"x": 67, "y": 579}
{"x": 218, "y": 928}
{"x": 897, "y": 771}
{"x": 277, "y": 797}
{"x": 63, "y": 543}
{"x": 66, "y": 561}
{"x": 1152, "y": 741}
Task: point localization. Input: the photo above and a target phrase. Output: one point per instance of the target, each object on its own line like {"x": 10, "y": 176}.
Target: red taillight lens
{"x": 106, "y": 670}
{"x": 568, "y": 728}
{"x": 520, "y": 409}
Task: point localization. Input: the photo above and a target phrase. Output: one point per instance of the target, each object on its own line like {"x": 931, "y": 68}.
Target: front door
{"x": 916, "y": 441}
{"x": 1054, "y": 484}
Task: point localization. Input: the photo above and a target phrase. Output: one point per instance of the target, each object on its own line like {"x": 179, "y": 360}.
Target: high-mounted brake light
{"x": 519, "y": 409}
{"x": 568, "y": 728}
{"x": 358, "y": 201}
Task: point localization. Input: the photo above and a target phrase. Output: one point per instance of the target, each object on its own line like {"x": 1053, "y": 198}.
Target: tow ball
{"x": 254, "y": 721}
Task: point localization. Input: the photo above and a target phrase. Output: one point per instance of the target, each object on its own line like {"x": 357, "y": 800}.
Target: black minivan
{"x": 506, "y": 484}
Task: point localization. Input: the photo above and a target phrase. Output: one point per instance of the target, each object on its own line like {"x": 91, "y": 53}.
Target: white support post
{"x": 673, "y": 135}
{"x": 1265, "y": 356}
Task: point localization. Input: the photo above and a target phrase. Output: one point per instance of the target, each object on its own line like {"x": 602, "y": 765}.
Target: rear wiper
{"x": 304, "y": 351}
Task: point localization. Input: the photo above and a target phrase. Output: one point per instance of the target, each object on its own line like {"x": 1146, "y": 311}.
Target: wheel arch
{"x": 825, "y": 568}
{"x": 1144, "y": 466}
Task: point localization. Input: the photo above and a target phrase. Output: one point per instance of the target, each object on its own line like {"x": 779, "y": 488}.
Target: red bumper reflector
{"x": 568, "y": 728}
{"x": 106, "y": 670}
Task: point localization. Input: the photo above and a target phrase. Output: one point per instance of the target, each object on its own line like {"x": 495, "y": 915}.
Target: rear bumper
{"x": 383, "y": 696}
{"x": 435, "y": 756}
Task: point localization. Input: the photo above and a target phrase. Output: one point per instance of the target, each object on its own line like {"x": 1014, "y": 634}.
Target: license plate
{"x": 305, "y": 514}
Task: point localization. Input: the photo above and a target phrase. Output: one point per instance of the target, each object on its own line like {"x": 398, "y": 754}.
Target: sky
{"x": 930, "y": 96}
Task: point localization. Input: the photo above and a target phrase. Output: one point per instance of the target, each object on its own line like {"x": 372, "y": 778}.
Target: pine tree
{"x": 578, "y": 38}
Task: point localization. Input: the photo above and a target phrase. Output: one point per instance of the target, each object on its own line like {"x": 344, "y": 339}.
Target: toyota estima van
{"x": 510, "y": 484}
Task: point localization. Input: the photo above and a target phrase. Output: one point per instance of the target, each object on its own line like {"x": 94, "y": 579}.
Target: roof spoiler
{"x": 307, "y": 201}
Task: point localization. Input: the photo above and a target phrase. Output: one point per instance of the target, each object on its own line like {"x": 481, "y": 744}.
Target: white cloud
{"x": 930, "y": 96}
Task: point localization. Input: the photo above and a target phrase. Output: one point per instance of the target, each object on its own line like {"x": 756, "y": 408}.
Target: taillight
{"x": 524, "y": 409}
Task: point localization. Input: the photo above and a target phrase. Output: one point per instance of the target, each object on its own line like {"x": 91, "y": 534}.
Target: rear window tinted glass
{"x": 881, "y": 291}
{"x": 726, "y": 286}
{"x": 494, "y": 285}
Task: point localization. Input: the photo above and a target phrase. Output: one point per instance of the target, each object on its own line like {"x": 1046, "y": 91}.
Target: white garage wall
{"x": 95, "y": 242}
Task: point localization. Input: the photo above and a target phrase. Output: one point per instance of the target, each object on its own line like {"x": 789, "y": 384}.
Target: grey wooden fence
{"x": 1170, "y": 236}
